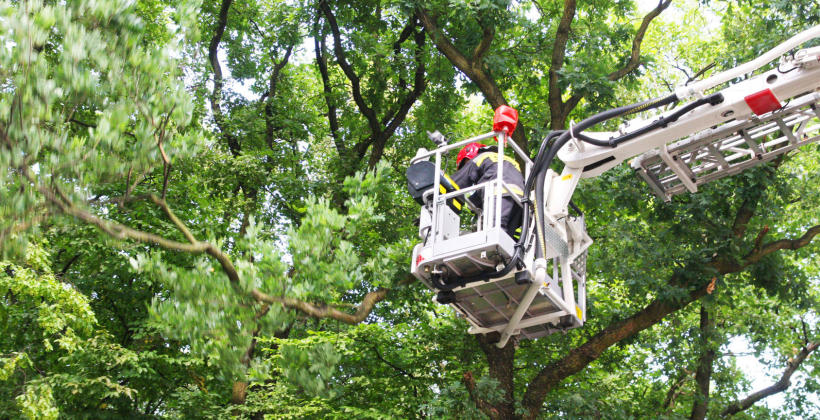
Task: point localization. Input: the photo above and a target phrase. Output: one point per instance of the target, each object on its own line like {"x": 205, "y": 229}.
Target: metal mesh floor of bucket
{"x": 492, "y": 304}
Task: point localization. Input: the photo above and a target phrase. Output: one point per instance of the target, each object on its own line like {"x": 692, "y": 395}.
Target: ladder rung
{"x": 730, "y": 148}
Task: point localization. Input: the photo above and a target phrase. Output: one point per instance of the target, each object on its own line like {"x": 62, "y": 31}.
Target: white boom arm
{"x": 781, "y": 100}
{"x": 530, "y": 287}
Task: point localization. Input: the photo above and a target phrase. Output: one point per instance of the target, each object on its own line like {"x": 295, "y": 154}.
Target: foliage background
{"x": 203, "y": 214}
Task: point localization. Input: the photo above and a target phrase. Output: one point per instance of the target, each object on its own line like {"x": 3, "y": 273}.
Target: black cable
{"x": 546, "y": 154}
{"x": 574, "y": 207}
{"x": 546, "y": 160}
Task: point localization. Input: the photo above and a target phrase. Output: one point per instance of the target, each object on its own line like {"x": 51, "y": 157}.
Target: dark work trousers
{"x": 484, "y": 168}
{"x": 510, "y": 216}
{"x": 511, "y": 213}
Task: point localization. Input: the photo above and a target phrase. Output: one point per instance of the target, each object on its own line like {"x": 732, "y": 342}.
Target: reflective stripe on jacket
{"x": 483, "y": 168}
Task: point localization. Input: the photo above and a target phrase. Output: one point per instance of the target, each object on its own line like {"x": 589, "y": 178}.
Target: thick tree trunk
{"x": 500, "y": 362}
{"x": 239, "y": 392}
{"x": 703, "y": 374}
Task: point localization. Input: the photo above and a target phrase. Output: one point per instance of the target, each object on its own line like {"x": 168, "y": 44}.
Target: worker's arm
{"x": 467, "y": 176}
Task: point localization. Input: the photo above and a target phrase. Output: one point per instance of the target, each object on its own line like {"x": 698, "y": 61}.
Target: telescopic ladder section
{"x": 730, "y": 148}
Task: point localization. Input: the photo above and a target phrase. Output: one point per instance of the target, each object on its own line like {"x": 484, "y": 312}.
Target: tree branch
{"x": 419, "y": 84}
{"x": 475, "y": 70}
{"x": 560, "y": 110}
{"x": 557, "y": 61}
{"x": 749, "y": 206}
{"x": 469, "y": 382}
{"x": 320, "y": 311}
{"x": 174, "y": 219}
{"x": 26, "y": 225}
{"x": 398, "y": 369}
{"x": 790, "y": 244}
{"x": 487, "y": 35}
{"x": 216, "y": 93}
{"x": 635, "y": 57}
{"x": 274, "y": 80}
{"x": 703, "y": 373}
{"x": 780, "y": 386}
{"x": 673, "y": 390}
{"x": 581, "y": 356}
{"x": 403, "y": 36}
{"x": 58, "y": 199}
{"x": 321, "y": 62}
{"x": 347, "y": 69}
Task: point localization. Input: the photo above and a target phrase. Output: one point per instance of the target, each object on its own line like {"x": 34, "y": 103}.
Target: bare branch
{"x": 322, "y": 311}
{"x": 347, "y": 69}
{"x": 469, "y": 382}
{"x": 119, "y": 231}
{"x": 419, "y": 84}
{"x": 178, "y": 223}
{"x": 791, "y": 244}
{"x": 487, "y": 35}
{"x": 700, "y": 72}
{"x": 759, "y": 238}
{"x": 321, "y": 62}
{"x": 271, "y": 94}
{"x": 780, "y": 386}
{"x": 706, "y": 359}
{"x": 558, "y": 111}
{"x": 24, "y": 226}
{"x": 443, "y": 44}
{"x": 474, "y": 69}
{"x": 248, "y": 355}
{"x": 216, "y": 93}
{"x": 673, "y": 393}
{"x": 635, "y": 57}
{"x": 395, "y": 367}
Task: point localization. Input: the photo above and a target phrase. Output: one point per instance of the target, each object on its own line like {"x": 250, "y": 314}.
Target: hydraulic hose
{"x": 713, "y": 99}
{"x": 545, "y": 158}
{"x": 525, "y": 226}
{"x": 546, "y": 154}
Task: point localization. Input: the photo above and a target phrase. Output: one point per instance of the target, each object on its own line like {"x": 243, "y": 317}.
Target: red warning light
{"x": 505, "y": 118}
{"x": 763, "y": 102}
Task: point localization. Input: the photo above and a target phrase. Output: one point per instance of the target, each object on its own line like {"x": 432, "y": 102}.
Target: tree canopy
{"x": 203, "y": 213}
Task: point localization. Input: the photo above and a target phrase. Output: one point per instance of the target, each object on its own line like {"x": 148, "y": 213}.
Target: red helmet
{"x": 469, "y": 151}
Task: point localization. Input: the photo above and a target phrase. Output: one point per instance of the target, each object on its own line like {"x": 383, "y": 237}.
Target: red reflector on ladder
{"x": 763, "y": 102}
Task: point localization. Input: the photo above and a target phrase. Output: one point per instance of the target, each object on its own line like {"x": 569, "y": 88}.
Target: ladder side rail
{"x": 436, "y": 186}
{"x": 498, "y": 190}
{"x": 448, "y": 147}
{"x": 696, "y": 88}
{"x": 734, "y": 106}
{"x": 797, "y": 128}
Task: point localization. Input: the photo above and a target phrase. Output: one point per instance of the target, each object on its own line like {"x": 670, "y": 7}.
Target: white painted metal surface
{"x": 707, "y": 143}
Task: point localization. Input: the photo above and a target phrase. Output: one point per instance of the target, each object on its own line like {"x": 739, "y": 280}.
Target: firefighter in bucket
{"x": 477, "y": 163}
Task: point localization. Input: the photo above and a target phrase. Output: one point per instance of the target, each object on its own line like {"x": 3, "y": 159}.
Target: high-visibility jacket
{"x": 483, "y": 168}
